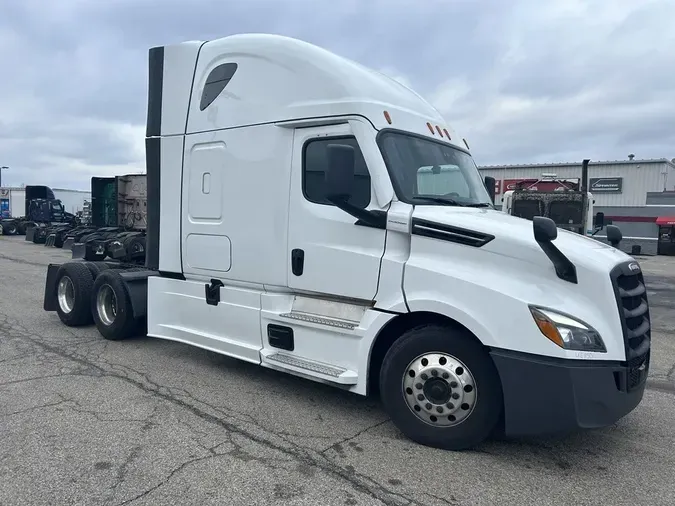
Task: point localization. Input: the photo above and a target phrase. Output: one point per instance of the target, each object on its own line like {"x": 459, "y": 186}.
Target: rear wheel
{"x": 9, "y": 228}
{"x": 441, "y": 388}
{"x": 73, "y": 294}
{"x": 111, "y": 307}
{"x": 97, "y": 268}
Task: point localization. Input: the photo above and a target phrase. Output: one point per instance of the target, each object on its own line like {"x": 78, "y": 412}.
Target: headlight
{"x": 567, "y": 332}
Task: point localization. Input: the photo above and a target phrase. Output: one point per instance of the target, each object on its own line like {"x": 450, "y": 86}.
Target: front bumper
{"x": 546, "y": 396}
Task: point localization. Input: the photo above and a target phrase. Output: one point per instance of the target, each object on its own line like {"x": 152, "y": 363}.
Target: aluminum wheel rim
{"x": 439, "y": 389}
{"x": 66, "y": 294}
{"x": 106, "y": 304}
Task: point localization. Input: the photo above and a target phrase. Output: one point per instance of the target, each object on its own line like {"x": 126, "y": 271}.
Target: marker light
{"x": 431, "y": 129}
{"x": 438, "y": 129}
{"x": 567, "y": 332}
{"x": 387, "y": 117}
{"x": 447, "y": 134}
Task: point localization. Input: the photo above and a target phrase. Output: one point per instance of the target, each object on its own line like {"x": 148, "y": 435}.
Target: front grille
{"x": 631, "y": 297}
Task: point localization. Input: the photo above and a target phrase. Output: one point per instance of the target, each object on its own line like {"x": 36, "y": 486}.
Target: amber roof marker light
{"x": 387, "y": 117}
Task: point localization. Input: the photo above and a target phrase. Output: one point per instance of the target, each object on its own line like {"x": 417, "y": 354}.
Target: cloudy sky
{"x": 522, "y": 80}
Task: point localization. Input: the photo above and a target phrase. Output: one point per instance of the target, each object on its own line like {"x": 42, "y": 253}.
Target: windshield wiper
{"x": 479, "y": 204}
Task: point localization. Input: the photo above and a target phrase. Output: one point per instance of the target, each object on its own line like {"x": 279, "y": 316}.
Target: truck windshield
{"x": 424, "y": 171}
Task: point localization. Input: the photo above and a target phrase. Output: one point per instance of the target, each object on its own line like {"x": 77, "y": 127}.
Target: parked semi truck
{"x": 118, "y": 221}
{"x": 569, "y": 204}
{"x": 288, "y": 226}
{"x": 37, "y": 209}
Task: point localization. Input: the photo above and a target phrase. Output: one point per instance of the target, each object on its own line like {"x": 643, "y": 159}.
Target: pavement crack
{"x": 34, "y": 408}
{"x": 166, "y": 479}
{"x": 358, "y": 482}
{"x": 671, "y": 372}
{"x": 347, "y": 439}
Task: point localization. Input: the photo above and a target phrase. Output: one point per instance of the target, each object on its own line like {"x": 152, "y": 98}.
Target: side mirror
{"x": 600, "y": 220}
{"x": 614, "y": 235}
{"x": 340, "y": 173}
{"x": 544, "y": 229}
{"x": 490, "y": 185}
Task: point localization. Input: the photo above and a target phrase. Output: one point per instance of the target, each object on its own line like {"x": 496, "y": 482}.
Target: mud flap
{"x": 68, "y": 243}
{"x": 79, "y": 249}
{"x": 50, "y": 302}
{"x": 117, "y": 250}
{"x": 30, "y": 233}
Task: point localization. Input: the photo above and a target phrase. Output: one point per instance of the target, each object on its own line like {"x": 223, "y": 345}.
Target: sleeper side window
{"x": 315, "y": 162}
{"x": 215, "y": 83}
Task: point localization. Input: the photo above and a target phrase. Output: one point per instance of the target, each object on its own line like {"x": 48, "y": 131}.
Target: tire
{"x": 437, "y": 419}
{"x": 111, "y": 307}
{"x": 96, "y": 268}
{"x": 9, "y": 228}
{"x": 21, "y": 228}
{"x": 134, "y": 246}
{"x": 74, "y": 284}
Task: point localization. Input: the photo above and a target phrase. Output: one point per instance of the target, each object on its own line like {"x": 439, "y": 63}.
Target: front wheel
{"x": 441, "y": 388}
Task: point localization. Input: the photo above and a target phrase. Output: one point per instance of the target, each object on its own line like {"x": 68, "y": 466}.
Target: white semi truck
{"x": 300, "y": 218}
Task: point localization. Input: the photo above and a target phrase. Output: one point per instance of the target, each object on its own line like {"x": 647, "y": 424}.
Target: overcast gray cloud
{"x": 522, "y": 80}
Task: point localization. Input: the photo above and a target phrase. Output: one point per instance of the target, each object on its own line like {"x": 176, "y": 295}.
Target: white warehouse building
{"x": 620, "y": 183}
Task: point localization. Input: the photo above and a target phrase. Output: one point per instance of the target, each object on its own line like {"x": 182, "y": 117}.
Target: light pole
{"x": 4, "y": 167}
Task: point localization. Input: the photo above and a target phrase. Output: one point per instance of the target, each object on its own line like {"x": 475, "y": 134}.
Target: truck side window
{"x": 314, "y": 163}
{"x": 216, "y": 82}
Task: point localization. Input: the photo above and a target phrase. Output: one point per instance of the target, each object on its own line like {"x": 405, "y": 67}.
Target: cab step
{"x": 320, "y": 320}
{"x": 311, "y": 368}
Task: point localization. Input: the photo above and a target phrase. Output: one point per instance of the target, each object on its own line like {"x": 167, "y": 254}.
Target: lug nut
{"x": 453, "y": 384}
{"x": 418, "y": 386}
{"x": 439, "y": 409}
{"x": 429, "y": 406}
{"x": 450, "y": 405}
{"x": 455, "y": 396}
{"x": 434, "y": 372}
{"x": 424, "y": 376}
{"x": 420, "y": 397}
{"x": 446, "y": 375}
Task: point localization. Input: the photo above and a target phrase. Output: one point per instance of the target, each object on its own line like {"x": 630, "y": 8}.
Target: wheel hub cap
{"x": 106, "y": 304}
{"x": 66, "y": 294}
{"x": 439, "y": 389}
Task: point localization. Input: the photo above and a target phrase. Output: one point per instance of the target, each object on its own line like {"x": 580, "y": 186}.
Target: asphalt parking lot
{"x": 88, "y": 421}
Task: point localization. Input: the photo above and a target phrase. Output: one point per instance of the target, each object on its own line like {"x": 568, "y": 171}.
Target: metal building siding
{"x": 639, "y": 177}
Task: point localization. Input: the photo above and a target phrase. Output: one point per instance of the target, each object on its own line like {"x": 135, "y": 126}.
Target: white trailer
{"x": 72, "y": 200}
{"x": 286, "y": 228}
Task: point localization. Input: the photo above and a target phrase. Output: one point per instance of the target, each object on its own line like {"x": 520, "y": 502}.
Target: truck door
{"x": 327, "y": 253}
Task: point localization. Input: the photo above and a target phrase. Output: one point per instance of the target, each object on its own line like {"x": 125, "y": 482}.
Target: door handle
{"x": 297, "y": 261}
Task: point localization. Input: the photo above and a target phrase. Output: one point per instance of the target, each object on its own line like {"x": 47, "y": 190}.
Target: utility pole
{"x": 4, "y": 167}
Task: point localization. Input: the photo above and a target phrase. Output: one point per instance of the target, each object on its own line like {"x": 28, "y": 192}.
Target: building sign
{"x": 539, "y": 185}
{"x": 606, "y": 185}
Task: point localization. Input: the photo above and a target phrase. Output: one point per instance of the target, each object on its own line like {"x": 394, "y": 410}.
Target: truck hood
{"x": 514, "y": 237}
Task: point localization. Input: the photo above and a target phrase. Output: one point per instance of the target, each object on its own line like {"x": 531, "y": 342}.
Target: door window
{"x": 315, "y": 163}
